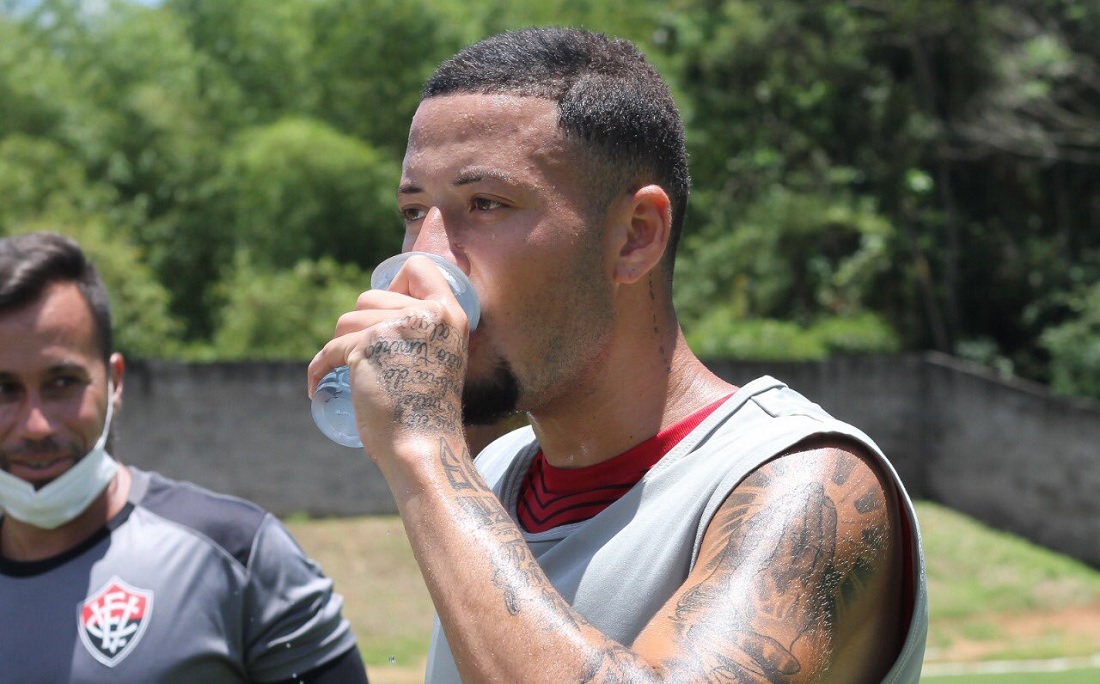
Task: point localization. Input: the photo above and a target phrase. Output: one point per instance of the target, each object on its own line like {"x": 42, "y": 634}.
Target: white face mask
{"x": 70, "y": 494}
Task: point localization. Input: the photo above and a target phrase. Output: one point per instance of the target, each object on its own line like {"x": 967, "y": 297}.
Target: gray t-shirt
{"x": 184, "y": 585}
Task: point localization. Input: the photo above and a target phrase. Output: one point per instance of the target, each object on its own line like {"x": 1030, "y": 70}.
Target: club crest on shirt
{"x": 112, "y": 620}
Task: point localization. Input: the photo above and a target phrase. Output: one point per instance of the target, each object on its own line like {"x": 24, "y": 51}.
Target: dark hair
{"x": 30, "y": 263}
{"x": 609, "y": 98}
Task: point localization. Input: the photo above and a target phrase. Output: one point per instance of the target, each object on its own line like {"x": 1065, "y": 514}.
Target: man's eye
{"x": 411, "y": 214}
{"x": 9, "y": 390}
{"x": 485, "y": 204}
{"x": 62, "y": 383}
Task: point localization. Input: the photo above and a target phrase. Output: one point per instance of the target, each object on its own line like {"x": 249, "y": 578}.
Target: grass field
{"x": 993, "y": 598}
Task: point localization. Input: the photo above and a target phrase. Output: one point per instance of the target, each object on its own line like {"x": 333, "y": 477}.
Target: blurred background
{"x": 869, "y": 175}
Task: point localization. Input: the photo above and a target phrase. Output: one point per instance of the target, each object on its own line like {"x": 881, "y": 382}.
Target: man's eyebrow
{"x": 477, "y": 175}
{"x": 468, "y": 177}
{"x": 61, "y": 368}
{"x": 66, "y": 366}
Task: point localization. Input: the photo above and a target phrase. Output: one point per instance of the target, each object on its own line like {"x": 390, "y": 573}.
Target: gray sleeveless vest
{"x": 648, "y": 541}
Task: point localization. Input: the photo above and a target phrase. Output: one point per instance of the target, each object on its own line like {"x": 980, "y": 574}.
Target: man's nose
{"x": 32, "y": 421}
{"x": 433, "y": 234}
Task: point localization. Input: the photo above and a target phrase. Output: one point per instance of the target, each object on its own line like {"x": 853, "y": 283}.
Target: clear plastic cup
{"x": 332, "y": 408}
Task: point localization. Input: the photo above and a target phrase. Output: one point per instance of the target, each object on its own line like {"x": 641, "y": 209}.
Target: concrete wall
{"x": 1007, "y": 453}
{"x": 1015, "y": 457}
{"x": 878, "y": 394}
{"x": 243, "y": 429}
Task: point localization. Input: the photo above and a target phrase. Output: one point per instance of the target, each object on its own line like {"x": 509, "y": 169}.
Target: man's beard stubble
{"x": 490, "y": 400}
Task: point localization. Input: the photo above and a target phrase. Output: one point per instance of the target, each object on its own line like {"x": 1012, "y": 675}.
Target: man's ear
{"x": 645, "y": 221}
{"x": 116, "y": 368}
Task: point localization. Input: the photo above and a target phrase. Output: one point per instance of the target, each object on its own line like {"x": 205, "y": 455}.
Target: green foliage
{"x": 149, "y": 121}
{"x": 44, "y": 189}
{"x": 282, "y": 313}
{"x": 628, "y": 19}
{"x": 38, "y": 178}
{"x": 298, "y": 189}
{"x": 721, "y": 334}
{"x": 262, "y": 48}
{"x": 35, "y": 85}
{"x": 791, "y": 255}
{"x": 1074, "y": 347}
{"x": 863, "y": 333}
{"x": 867, "y": 176}
{"x": 971, "y": 125}
{"x": 143, "y": 326}
{"x": 369, "y": 62}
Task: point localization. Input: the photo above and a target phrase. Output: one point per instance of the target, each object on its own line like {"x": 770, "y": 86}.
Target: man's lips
{"x": 40, "y": 473}
{"x": 39, "y": 463}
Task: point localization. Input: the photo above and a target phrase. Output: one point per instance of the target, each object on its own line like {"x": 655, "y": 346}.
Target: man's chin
{"x": 478, "y": 412}
{"x": 485, "y": 420}
{"x": 487, "y": 401}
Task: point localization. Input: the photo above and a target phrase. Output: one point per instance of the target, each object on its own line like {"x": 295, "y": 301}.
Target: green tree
{"x": 282, "y": 313}
{"x": 144, "y": 326}
{"x": 969, "y": 127}
{"x": 864, "y": 173}
{"x": 790, "y": 255}
{"x": 38, "y": 177}
{"x": 369, "y": 63}
{"x": 36, "y": 89}
{"x": 1074, "y": 347}
{"x": 720, "y": 333}
{"x": 297, "y": 189}
{"x": 263, "y": 48}
{"x": 143, "y": 113}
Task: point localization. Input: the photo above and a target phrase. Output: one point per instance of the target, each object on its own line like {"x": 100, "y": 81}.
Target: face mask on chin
{"x": 70, "y": 494}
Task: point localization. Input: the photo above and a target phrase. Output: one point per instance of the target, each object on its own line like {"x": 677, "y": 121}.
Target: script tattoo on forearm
{"x": 516, "y": 574}
{"x": 424, "y": 374}
{"x": 799, "y": 586}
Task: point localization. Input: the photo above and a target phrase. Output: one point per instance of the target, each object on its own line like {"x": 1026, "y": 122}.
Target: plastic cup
{"x": 332, "y": 408}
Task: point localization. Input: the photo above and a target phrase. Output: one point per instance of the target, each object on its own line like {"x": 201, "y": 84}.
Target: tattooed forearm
{"x": 483, "y": 509}
{"x": 457, "y": 467}
{"x": 614, "y": 664}
{"x": 518, "y": 575}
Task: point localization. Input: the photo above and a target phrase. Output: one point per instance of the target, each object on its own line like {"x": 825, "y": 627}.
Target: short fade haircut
{"x": 610, "y": 100}
{"x": 32, "y": 262}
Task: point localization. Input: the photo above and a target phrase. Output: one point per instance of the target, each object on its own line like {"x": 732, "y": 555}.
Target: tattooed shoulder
{"x": 800, "y": 553}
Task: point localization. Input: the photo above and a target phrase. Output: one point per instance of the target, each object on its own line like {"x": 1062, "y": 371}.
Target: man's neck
{"x": 632, "y": 401}
{"x": 22, "y": 542}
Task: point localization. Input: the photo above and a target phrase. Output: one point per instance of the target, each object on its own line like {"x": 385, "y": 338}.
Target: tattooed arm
{"x": 798, "y": 581}
{"x": 798, "y": 574}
